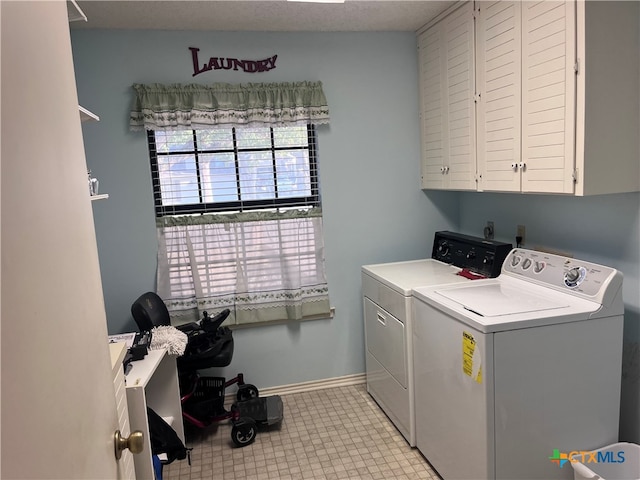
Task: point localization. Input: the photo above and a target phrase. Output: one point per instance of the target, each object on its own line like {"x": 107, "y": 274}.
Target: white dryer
{"x": 512, "y": 369}
{"x": 388, "y": 320}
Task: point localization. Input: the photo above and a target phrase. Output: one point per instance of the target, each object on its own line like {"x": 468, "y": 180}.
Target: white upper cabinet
{"x": 557, "y": 101}
{"x": 447, "y": 74}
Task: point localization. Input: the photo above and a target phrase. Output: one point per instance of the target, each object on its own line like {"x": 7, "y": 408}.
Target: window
{"x": 233, "y": 169}
{"x": 239, "y": 222}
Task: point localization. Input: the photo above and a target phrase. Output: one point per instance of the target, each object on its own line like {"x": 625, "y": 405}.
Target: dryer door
{"x": 386, "y": 340}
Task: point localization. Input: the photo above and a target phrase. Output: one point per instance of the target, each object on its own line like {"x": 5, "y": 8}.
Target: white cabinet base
{"x": 153, "y": 382}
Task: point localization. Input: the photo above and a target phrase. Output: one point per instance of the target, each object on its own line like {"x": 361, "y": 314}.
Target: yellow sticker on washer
{"x": 469, "y": 351}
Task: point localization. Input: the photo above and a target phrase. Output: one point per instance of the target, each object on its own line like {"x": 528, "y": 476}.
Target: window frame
{"x": 239, "y": 205}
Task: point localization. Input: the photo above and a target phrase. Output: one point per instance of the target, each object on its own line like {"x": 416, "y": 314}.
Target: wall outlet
{"x": 489, "y": 231}
{"x": 520, "y": 232}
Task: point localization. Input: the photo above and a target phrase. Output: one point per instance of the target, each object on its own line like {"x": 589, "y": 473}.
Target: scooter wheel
{"x": 244, "y": 431}
{"x": 247, "y": 392}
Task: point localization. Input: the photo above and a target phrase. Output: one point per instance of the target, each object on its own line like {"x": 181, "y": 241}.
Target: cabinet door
{"x": 447, "y": 87}
{"x": 548, "y": 96}
{"x": 498, "y": 80}
{"x": 433, "y": 114}
{"x": 460, "y": 104}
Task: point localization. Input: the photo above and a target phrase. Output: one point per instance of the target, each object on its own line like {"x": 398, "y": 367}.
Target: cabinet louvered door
{"x": 548, "y": 96}
{"x": 433, "y": 117}
{"x": 460, "y": 161}
{"x": 498, "y": 70}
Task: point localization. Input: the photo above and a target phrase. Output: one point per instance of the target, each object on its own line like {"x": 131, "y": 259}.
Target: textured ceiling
{"x": 260, "y": 15}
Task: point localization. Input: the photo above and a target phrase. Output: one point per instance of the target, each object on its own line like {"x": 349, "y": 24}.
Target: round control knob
{"x": 539, "y": 266}
{"x": 515, "y": 260}
{"x": 526, "y": 263}
{"x": 574, "y": 276}
{"x": 471, "y": 255}
{"x": 443, "y": 248}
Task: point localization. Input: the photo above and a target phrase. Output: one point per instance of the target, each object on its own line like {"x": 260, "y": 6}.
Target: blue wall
{"x": 374, "y": 210}
{"x": 369, "y": 166}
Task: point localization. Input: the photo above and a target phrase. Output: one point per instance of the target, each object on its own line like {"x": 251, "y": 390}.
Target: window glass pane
{"x": 218, "y": 139}
{"x": 238, "y": 165}
{"x": 292, "y": 167}
{"x": 218, "y": 175}
{"x": 253, "y": 137}
{"x": 290, "y": 136}
{"x": 174, "y": 141}
{"x": 256, "y": 176}
{"x": 178, "y": 179}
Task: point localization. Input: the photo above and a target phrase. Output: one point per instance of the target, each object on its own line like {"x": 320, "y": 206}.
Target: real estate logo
{"x": 560, "y": 458}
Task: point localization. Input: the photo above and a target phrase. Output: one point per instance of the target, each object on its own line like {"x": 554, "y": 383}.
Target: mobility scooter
{"x": 210, "y": 345}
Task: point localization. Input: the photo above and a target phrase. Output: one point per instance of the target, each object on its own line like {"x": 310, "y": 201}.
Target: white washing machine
{"x": 512, "y": 369}
{"x": 387, "y": 291}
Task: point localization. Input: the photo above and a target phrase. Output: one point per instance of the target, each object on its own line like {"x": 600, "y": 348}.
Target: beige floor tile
{"x": 332, "y": 434}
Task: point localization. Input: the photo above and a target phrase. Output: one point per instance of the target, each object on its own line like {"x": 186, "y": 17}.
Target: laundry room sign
{"x": 226, "y": 63}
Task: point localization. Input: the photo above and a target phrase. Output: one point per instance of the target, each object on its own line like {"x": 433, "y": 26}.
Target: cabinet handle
{"x": 522, "y": 166}
{"x": 446, "y": 169}
{"x": 514, "y": 166}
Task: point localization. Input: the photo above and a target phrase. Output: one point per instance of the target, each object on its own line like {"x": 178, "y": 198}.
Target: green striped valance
{"x": 197, "y": 107}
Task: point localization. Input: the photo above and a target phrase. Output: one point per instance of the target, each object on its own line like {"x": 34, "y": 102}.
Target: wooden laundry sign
{"x": 220, "y": 63}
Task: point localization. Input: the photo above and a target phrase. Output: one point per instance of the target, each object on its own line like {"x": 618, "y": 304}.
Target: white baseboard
{"x": 344, "y": 381}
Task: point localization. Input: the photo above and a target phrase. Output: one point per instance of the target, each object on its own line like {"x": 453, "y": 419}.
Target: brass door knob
{"x": 134, "y": 442}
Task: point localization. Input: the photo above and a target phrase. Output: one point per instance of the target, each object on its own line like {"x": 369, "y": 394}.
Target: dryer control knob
{"x": 443, "y": 248}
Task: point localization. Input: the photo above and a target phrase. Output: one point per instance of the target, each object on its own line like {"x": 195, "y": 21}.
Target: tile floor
{"x": 330, "y": 434}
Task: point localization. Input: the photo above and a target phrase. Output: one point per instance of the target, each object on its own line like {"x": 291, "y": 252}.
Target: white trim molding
{"x": 344, "y": 381}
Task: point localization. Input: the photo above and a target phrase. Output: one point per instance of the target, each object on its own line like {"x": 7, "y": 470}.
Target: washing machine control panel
{"x": 558, "y": 271}
{"x": 481, "y": 256}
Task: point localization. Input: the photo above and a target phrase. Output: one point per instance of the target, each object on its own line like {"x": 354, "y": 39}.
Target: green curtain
{"x": 194, "y": 107}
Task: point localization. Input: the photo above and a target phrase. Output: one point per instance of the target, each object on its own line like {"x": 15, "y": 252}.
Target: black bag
{"x": 164, "y": 439}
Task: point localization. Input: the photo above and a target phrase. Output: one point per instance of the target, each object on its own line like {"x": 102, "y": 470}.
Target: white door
{"x": 58, "y": 405}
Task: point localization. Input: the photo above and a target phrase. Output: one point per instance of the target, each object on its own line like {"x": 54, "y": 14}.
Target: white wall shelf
{"x": 74, "y": 12}
{"x": 87, "y": 116}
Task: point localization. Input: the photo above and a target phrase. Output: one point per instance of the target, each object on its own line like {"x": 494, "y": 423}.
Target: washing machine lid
{"x": 498, "y": 299}
{"x": 504, "y": 303}
{"x": 403, "y": 277}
